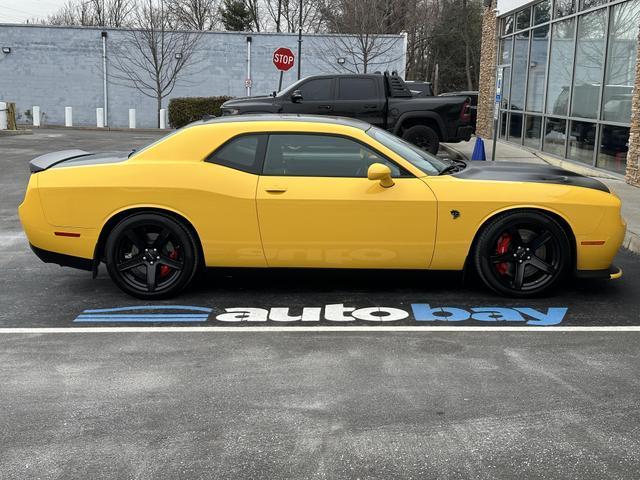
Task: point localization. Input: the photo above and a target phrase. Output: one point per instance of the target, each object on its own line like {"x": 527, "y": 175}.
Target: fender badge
{"x": 455, "y": 214}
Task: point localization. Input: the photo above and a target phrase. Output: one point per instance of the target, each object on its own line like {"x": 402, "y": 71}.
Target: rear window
{"x": 240, "y": 153}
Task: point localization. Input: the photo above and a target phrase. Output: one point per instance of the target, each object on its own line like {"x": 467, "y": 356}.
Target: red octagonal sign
{"x": 283, "y": 59}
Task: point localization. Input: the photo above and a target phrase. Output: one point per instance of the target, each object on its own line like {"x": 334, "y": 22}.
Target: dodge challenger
{"x": 316, "y": 192}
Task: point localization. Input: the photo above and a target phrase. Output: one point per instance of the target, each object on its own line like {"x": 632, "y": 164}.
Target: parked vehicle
{"x": 312, "y": 191}
{"x": 473, "y": 95}
{"x": 382, "y": 100}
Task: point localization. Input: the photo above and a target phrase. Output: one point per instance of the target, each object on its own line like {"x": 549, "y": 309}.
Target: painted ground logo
{"x": 146, "y": 313}
{"x": 420, "y": 313}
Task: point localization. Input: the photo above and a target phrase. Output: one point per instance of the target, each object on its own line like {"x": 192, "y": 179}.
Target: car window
{"x": 305, "y": 155}
{"x": 240, "y": 153}
{"x": 357, "y": 89}
{"x": 317, "y": 89}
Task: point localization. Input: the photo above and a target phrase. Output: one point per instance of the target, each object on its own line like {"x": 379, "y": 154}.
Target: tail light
{"x": 465, "y": 112}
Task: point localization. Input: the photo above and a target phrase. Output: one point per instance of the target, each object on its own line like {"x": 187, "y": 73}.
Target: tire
{"x": 424, "y": 137}
{"x": 522, "y": 253}
{"x": 151, "y": 256}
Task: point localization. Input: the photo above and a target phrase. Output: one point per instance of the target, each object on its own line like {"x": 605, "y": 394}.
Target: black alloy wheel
{"x": 150, "y": 255}
{"x": 522, "y": 253}
{"x": 423, "y": 137}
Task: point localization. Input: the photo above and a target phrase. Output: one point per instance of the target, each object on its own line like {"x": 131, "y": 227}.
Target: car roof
{"x": 292, "y": 117}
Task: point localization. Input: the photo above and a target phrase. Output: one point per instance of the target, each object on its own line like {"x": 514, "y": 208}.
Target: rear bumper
{"x": 63, "y": 260}
{"x": 611, "y": 273}
{"x": 462, "y": 134}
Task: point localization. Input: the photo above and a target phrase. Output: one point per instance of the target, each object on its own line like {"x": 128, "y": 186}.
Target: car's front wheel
{"x": 151, "y": 256}
{"x": 522, "y": 253}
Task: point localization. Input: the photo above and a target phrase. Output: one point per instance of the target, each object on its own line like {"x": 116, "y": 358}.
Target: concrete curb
{"x": 21, "y": 131}
{"x": 453, "y": 152}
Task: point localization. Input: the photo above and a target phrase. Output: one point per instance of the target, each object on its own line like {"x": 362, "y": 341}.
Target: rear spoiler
{"x": 48, "y": 160}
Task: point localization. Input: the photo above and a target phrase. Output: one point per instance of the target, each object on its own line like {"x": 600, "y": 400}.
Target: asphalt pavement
{"x": 190, "y": 388}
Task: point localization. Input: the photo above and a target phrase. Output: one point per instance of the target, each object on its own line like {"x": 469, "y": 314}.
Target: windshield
{"x": 429, "y": 164}
{"x": 290, "y": 87}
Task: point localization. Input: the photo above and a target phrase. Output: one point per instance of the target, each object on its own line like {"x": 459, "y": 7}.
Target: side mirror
{"x": 296, "y": 96}
{"x": 378, "y": 171}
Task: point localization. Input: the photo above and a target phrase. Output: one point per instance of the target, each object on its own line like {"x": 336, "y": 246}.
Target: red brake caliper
{"x": 503, "y": 247}
{"x": 164, "y": 270}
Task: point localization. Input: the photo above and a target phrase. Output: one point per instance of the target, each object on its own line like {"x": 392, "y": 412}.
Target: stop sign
{"x": 283, "y": 59}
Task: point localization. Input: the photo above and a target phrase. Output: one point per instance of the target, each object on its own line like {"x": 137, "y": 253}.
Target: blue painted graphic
{"x": 423, "y": 312}
{"x": 152, "y": 313}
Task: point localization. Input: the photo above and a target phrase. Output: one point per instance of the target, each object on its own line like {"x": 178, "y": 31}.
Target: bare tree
{"x": 109, "y": 13}
{"x": 194, "y": 14}
{"x": 284, "y": 14}
{"x": 152, "y": 58}
{"x": 362, "y": 43}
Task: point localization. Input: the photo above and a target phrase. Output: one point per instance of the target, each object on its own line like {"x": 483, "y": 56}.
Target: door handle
{"x": 275, "y": 189}
{"x": 324, "y": 107}
{"x": 370, "y": 107}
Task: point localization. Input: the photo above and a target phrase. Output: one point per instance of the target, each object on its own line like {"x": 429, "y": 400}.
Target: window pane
{"x": 506, "y": 87}
{"x": 555, "y": 134}
{"x": 320, "y": 156}
{"x": 507, "y": 25}
{"x": 532, "y": 129}
{"x": 523, "y": 19}
{"x": 560, "y": 65}
{"x": 503, "y": 125}
{"x": 541, "y": 12}
{"x": 537, "y": 68}
{"x": 586, "y": 4}
{"x": 515, "y": 127}
{"x": 614, "y": 144}
{"x": 239, "y": 153}
{"x": 506, "y": 47}
{"x": 621, "y": 62}
{"x": 318, "y": 89}
{"x": 582, "y": 138}
{"x": 588, "y": 69}
{"x": 520, "y": 55}
{"x": 563, "y": 7}
{"x": 357, "y": 89}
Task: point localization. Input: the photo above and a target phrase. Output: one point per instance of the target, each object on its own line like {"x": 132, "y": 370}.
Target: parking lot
{"x": 357, "y": 374}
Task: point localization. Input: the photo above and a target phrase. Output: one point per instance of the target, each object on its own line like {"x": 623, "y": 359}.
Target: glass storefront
{"x": 568, "y": 69}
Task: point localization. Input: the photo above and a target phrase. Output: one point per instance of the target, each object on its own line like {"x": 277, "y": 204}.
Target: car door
{"x": 316, "y": 207}
{"x": 360, "y": 97}
{"x": 317, "y": 97}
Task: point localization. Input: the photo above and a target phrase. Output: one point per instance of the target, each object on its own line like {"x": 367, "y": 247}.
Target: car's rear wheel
{"x": 149, "y": 255}
{"x": 423, "y": 137}
{"x": 522, "y": 253}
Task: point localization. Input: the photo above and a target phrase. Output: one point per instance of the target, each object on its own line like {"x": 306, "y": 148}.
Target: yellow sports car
{"x": 307, "y": 191}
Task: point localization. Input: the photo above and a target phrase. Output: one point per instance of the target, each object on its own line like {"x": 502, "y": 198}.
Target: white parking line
{"x": 399, "y": 328}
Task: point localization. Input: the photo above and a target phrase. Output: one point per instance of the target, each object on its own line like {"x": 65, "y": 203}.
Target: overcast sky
{"x": 17, "y": 11}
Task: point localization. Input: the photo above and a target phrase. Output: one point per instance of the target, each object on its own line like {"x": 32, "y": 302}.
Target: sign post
{"x": 283, "y": 59}
{"x": 496, "y": 112}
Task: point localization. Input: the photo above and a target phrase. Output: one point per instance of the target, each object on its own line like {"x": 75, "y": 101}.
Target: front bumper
{"x": 611, "y": 273}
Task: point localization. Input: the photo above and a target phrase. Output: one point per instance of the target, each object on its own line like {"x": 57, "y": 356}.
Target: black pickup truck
{"x": 380, "y": 99}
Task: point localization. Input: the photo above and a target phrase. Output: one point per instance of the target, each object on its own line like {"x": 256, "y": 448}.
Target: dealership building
{"x": 562, "y": 78}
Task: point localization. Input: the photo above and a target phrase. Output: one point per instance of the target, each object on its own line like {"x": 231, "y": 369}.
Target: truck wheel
{"x": 424, "y": 137}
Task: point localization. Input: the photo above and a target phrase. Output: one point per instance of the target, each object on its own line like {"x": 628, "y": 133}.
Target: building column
{"x": 487, "y": 83}
{"x": 633, "y": 155}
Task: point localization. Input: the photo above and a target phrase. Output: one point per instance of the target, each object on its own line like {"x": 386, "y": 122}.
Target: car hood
{"x": 527, "y": 172}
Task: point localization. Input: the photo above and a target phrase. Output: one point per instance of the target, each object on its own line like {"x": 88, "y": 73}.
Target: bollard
{"x": 68, "y": 117}
{"x": 132, "y": 118}
{"x": 100, "y": 117}
{"x": 3, "y": 116}
{"x": 35, "y": 113}
{"x": 163, "y": 118}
